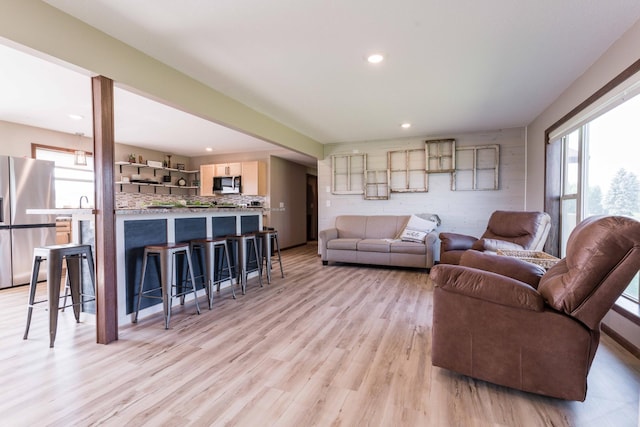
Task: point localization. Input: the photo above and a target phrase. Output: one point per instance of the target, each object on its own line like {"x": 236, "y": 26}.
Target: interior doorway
{"x": 312, "y": 207}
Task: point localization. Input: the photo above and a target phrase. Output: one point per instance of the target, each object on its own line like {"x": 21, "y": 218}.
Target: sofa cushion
{"x": 417, "y": 229}
{"x": 398, "y": 246}
{"x": 374, "y": 245}
{"x": 384, "y": 226}
{"x": 343, "y": 244}
{"x": 351, "y": 226}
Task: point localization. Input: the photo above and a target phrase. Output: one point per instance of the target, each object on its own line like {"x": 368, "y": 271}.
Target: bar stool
{"x": 241, "y": 242}
{"x": 209, "y": 246}
{"x": 167, "y": 254}
{"x": 269, "y": 239}
{"x": 73, "y": 254}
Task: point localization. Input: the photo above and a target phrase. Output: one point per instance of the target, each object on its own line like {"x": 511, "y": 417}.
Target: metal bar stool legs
{"x": 167, "y": 254}
{"x": 242, "y": 242}
{"x": 277, "y": 248}
{"x": 73, "y": 254}
{"x": 269, "y": 244}
{"x": 210, "y": 270}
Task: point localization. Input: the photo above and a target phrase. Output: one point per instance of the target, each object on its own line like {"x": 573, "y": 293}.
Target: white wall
{"x": 16, "y": 139}
{"x": 461, "y": 211}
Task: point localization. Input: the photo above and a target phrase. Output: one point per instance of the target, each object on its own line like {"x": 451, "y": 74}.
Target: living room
{"x": 522, "y": 166}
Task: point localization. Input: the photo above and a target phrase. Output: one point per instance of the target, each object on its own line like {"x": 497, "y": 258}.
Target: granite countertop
{"x": 139, "y": 211}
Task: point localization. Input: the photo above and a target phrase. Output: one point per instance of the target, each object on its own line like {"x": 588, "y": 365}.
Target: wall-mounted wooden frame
{"x": 441, "y": 155}
{"x": 348, "y": 173}
{"x": 477, "y": 168}
{"x": 407, "y": 171}
{"x": 377, "y": 184}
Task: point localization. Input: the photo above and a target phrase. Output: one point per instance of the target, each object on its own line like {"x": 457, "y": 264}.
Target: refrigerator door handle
{"x": 1, "y": 210}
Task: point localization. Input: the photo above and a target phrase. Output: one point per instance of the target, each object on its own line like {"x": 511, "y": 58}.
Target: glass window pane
{"x": 612, "y": 171}
{"x": 571, "y": 172}
{"x": 569, "y": 218}
{"x": 71, "y": 181}
{"x": 633, "y": 290}
{"x": 610, "y": 179}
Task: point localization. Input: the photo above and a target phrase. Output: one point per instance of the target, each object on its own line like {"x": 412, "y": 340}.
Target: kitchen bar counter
{"x": 136, "y": 228}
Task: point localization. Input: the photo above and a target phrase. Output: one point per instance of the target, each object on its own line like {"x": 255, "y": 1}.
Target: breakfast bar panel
{"x": 187, "y": 229}
{"x": 223, "y": 226}
{"x": 137, "y": 235}
{"x": 249, "y": 224}
{"x": 136, "y": 228}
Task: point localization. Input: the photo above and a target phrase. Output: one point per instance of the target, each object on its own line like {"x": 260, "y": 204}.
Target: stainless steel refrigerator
{"x": 24, "y": 184}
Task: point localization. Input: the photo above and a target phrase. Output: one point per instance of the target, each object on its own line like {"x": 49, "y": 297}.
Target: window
{"x": 71, "y": 181}
{"x": 601, "y": 171}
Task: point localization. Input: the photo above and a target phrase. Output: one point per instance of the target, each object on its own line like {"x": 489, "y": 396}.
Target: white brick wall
{"x": 461, "y": 211}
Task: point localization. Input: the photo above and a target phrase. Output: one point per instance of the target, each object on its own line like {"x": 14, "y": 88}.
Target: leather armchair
{"x": 509, "y": 322}
{"x": 513, "y": 230}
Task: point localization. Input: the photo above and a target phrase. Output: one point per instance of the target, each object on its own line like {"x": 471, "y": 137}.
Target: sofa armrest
{"x": 323, "y": 237}
{"x": 454, "y": 241}
{"x": 430, "y": 241}
{"x": 486, "y": 286}
{"x": 505, "y": 266}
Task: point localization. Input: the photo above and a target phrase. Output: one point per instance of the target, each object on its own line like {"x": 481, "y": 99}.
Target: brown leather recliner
{"x": 506, "y": 321}
{"x": 513, "y": 230}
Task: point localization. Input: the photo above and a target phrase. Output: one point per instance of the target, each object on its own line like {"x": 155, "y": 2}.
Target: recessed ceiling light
{"x": 75, "y": 116}
{"x": 375, "y": 58}
{"x": 208, "y": 149}
{"x": 405, "y": 125}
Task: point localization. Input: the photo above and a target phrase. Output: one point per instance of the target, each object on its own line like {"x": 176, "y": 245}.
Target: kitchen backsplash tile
{"x": 140, "y": 200}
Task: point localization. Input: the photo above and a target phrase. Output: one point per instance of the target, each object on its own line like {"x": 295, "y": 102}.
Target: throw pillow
{"x": 417, "y": 229}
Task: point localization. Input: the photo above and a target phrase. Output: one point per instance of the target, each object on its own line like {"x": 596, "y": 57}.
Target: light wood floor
{"x": 327, "y": 346}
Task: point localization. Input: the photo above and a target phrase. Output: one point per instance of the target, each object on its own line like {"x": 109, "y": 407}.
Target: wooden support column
{"x": 105, "y": 231}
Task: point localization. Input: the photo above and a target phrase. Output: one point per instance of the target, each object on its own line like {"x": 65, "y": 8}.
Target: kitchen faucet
{"x": 85, "y": 198}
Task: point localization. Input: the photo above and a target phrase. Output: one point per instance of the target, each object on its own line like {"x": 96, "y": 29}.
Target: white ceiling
{"x": 451, "y": 67}
{"x": 37, "y": 92}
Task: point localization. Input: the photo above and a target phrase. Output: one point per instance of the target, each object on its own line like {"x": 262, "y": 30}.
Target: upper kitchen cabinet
{"x": 207, "y": 172}
{"x": 228, "y": 169}
{"x": 254, "y": 178}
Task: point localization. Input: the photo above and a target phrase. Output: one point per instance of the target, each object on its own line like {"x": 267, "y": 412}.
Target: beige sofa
{"x": 378, "y": 239}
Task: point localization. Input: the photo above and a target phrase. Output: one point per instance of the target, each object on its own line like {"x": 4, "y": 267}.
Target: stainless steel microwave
{"x": 226, "y": 184}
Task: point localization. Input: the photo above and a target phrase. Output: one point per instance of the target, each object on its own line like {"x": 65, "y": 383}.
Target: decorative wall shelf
{"x": 191, "y": 176}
